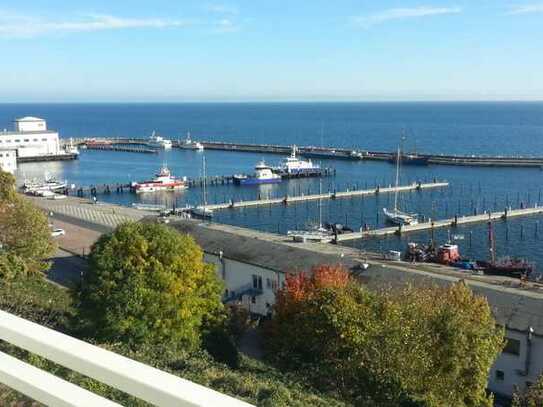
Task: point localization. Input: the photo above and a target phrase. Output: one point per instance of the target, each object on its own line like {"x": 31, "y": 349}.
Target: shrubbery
{"x": 431, "y": 346}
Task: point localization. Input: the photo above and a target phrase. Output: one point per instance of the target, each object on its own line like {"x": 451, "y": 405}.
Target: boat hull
{"x": 256, "y": 181}
{"x": 159, "y": 188}
{"x": 399, "y": 219}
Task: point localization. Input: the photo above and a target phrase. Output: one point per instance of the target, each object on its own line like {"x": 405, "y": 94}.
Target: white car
{"x": 58, "y": 232}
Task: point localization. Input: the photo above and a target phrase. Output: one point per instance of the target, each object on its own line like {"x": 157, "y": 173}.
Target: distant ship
{"x": 293, "y": 166}
{"x": 159, "y": 142}
{"x": 189, "y": 144}
{"x": 163, "y": 181}
{"x": 263, "y": 175}
{"x": 410, "y": 159}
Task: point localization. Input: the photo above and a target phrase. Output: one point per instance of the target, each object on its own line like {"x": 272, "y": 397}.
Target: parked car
{"x": 58, "y": 232}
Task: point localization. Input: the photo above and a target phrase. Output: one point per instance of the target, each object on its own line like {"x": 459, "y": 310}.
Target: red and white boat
{"x": 164, "y": 181}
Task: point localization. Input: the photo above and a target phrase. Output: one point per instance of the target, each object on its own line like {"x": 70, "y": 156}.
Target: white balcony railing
{"x": 137, "y": 379}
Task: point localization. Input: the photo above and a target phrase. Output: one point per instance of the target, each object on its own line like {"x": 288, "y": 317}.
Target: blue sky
{"x": 246, "y": 50}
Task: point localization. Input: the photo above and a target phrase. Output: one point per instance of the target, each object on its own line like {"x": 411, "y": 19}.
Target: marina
{"x": 347, "y": 174}
{"x": 444, "y": 223}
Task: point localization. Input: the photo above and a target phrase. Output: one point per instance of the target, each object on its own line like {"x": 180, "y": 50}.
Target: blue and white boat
{"x": 263, "y": 175}
{"x": 293, "y": 166}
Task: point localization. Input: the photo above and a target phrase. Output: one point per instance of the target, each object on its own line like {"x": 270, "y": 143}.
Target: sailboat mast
{"x": 320, "y": 203}
{"x": 205, "y": 182}
{"x": 491, "y": 243}
{"x": 397, "y": 180}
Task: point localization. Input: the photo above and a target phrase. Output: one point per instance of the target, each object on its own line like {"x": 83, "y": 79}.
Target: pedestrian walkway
{"x": 106, "y": 215}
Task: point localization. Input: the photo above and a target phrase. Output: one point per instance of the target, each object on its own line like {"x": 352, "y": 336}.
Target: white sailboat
{"x": 395, "y": 215}
{"x": 202, "y": 211}
{"x": 318, "y": 233}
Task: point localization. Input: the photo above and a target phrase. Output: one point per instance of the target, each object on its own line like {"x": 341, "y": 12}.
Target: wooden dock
{"x": 445, "y": 223}
{"x": 329, "y": 195}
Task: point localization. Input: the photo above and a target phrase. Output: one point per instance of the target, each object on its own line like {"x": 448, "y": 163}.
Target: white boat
{"x": 49, "y": 183}
{"x": 149, "y": 207}
{"x": 159, "y": 142}
{"x": 263, "y": 175}
{"x": 395, "y": 216}
{"x": 189, "y": 144}
{"x": 202, "y": 211}
{"x": 163, "y": 181}
{"x": 295, "y": 166}
{"x": 316, "y": 234}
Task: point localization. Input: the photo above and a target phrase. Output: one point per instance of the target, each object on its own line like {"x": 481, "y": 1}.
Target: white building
{"x": 8, "y": 160}
{"x": 253, "y": 265}
{"x": 31, "y": 138}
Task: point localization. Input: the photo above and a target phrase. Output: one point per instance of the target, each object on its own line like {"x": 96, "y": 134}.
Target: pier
{"x": 334, "y": 153}
{"x": 329, "y": 195}
{"x": 444, "y": 223}
{"x": 133, "y": 148}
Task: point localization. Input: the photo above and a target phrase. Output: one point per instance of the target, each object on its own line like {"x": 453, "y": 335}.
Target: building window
{"x": 268, "y": 283}
{"x": 17, "y": 140}
{"x": 500, "y": 375}
{"x": 35, "y": 139}
{"x": 257, "y": 282}
{"x": 27, "y": 140}
{"x": 43, "y": 139}
{"x": 253, "y": 299}
{"x": 512, "y": 346}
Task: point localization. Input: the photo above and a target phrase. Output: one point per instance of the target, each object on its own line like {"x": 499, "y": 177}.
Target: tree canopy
{"x": 148, "y": 283}
{"x": 416, "y": 346}
{"x": 532, "y": 396}
{"x": 24, "y": 229}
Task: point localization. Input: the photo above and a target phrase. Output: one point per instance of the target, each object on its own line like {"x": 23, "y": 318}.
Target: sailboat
{"x": 395, "y": 215}
{"x": 316, "y": 234}
{"x": 202, "y": 211}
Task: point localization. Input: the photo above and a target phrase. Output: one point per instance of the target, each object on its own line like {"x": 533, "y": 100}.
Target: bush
{"x": 221, "y": 346}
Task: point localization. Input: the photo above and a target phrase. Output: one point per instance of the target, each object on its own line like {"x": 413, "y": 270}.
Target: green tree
{"x": 24, "y": 229}
{"x": 532, "y": 396}
{"x": 148, "y": 283}
{"x": 7, "y": 186}
{"x": 416, "y": 346}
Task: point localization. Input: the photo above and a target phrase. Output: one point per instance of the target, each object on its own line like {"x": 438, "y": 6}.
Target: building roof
{"x": 253, "y": 247}
{"x": 513, "y": 307}
{"x": 29, "y": 119}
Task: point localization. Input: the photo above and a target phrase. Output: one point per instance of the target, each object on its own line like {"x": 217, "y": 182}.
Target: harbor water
{"x": 448, "y": 128}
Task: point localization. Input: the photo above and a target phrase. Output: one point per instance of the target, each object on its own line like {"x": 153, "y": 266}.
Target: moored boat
{"x": 49, "y": 184}
{"x": 410, "y": 159}
{"x": 190, "y": 144}
{"x": 157, "y": 141}
{"x": 163, "y": 181}
{"x": 263, "y": 175}
{"x": 395, "y": 216}
{"x": 293, "y": 166}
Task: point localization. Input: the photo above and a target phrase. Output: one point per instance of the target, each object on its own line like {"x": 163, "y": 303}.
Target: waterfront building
{"x": 8, "y": 160}
{"x": 32, "y": 140}
{"x": 253, "y": 265}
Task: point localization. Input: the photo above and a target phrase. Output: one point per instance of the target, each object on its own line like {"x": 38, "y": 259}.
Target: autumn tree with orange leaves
{"x": 411, "y": 347}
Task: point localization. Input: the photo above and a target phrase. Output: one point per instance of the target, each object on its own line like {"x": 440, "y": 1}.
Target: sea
{"x": 478, "y": 128}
